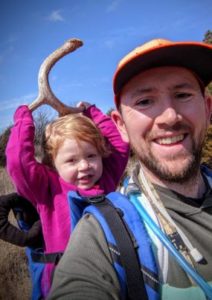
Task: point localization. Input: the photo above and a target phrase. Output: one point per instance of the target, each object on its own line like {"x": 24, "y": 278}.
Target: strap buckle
{"x": 95, "y": 199}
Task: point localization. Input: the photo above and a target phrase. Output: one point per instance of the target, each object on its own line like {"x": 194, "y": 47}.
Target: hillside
{"x": 14, "y": 277}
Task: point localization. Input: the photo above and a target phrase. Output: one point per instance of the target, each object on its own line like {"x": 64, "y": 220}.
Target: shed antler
{"x": 45, "y": 95}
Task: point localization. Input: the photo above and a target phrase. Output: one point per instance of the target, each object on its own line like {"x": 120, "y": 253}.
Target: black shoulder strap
{"x": 39, "y": 256}
{"x": 128, "y": 254}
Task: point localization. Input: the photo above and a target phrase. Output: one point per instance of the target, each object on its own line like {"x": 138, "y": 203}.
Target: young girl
{"x": 81, "y": 157}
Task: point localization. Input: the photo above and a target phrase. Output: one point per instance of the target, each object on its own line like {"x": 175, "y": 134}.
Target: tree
{"x": 208, "y": 40}
{"x": 207, "y": 149}
{"x": 3, "y": 142}
{"x": 208, "y": 37}
{"x": 41, "y": 120}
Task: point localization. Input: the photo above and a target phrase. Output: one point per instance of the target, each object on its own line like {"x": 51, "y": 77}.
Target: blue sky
{"x": 30, "y": 30}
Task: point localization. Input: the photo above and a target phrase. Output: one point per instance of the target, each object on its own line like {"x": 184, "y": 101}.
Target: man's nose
{"x": 169, "y": 116}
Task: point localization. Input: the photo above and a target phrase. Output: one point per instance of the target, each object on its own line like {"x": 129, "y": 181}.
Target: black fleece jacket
{"x": 25, "y": 211}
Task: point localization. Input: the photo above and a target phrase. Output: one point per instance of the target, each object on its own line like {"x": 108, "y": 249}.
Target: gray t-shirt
{"x": 194, "y": 217}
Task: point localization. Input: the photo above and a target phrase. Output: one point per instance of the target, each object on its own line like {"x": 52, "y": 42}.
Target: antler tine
{"x": 45, "y": 95}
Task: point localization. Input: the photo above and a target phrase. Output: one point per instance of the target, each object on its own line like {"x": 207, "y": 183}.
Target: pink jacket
{"x": 46, "y": 190}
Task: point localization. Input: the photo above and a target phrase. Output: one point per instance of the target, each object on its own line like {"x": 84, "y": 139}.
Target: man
{"x": 164, "y": 113}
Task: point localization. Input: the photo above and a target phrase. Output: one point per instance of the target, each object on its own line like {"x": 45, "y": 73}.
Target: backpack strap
{"x": 128, "y": 217}
{"x": 140, "y": 238}
{"x": 208, "y": 173}
{"x": 129, "y": 258}
{"x": 77, "y": 204}
{"x": 38, "y": 256}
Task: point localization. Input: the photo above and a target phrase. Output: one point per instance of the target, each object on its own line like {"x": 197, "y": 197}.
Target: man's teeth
{"x": 170, "y": 140}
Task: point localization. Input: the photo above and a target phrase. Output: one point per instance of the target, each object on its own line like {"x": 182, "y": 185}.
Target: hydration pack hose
{"x": 181, "y": 260}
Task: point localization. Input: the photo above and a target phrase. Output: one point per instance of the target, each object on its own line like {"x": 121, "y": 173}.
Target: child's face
{"x": 79, "y": 163}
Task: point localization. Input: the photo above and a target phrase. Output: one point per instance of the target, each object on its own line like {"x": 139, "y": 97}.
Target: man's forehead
{"x": 152, "y": 88}
{"x": 149, "y": 78}
{"x": 174, "y": 70}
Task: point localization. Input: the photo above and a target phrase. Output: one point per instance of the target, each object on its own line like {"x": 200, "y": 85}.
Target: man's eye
{"x": 183, "y": 96}
{"x": 144, "y": 102}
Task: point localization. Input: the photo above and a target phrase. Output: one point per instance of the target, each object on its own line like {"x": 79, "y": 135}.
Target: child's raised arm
{"x": 28, "y": 175}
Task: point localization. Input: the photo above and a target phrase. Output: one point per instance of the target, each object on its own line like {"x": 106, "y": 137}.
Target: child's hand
{"x": 83, "y": 105}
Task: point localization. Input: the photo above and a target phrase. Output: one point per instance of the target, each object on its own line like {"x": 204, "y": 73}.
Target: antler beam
{"x": 45, "y": 95}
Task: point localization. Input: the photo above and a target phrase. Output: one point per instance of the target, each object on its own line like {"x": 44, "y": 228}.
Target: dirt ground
{"x": 15, "y": 283}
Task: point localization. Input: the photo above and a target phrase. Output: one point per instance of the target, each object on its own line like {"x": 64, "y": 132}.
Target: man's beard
{"x": 163, "y": 172}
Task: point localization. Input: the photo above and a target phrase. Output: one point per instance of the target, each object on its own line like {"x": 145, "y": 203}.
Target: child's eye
{"x": 71, "y": 160}
{"x": 92, "y": 155}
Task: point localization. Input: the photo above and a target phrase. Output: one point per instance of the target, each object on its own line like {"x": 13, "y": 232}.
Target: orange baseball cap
{"x": 195, "y": 56}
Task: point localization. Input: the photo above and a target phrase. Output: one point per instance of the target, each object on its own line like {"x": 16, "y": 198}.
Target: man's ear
{"x": 208, "y": 104}
{"x": 118, "y": 120}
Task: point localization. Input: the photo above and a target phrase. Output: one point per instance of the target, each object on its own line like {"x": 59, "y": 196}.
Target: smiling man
{"x": 158, "y": 115}
{"x": 163, "y": 112}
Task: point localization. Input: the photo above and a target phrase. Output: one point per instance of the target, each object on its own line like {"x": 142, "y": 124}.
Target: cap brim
{"x": 194, "y": 56}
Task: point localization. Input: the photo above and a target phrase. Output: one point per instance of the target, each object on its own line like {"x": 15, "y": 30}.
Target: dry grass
{"x": 14, "y": 277}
